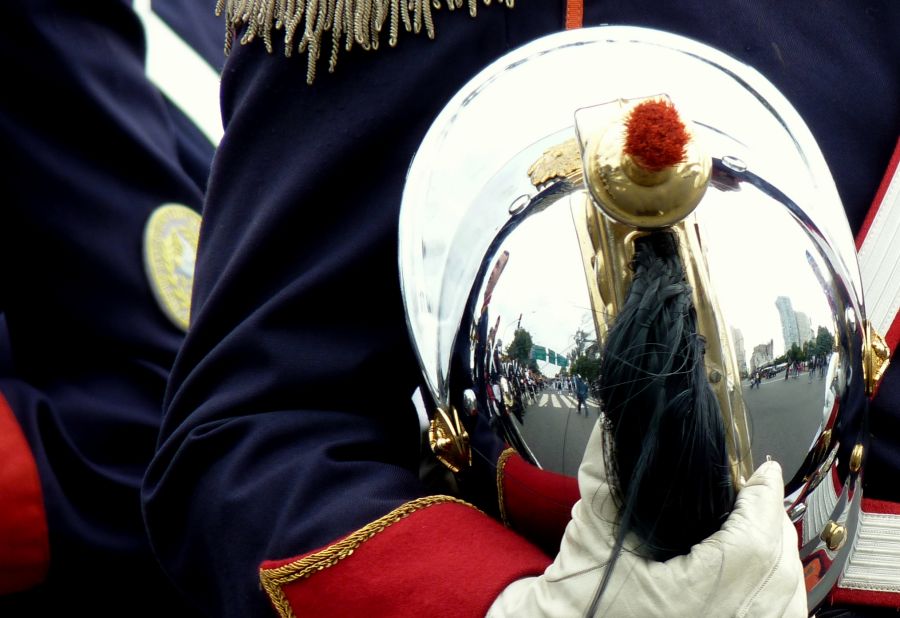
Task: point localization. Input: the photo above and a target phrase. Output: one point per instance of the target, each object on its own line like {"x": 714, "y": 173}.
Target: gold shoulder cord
{"x": 357, "y": 21}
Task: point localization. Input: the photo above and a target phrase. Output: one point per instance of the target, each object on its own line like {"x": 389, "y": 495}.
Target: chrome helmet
{"x": 516, "y": 234}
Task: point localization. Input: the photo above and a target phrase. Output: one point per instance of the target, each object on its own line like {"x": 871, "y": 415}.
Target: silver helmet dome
{"x": 512, "y": 271}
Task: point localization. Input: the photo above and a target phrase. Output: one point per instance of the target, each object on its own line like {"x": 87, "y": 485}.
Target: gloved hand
{"x": 750, "y": 567}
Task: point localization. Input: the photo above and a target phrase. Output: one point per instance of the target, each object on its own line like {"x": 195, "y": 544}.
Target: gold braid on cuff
{"x": 501, "y": 466}
{"x": 272, "y": 580}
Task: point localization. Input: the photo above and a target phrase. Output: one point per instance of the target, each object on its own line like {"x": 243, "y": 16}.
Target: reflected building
{"x": 804, "y": 327}
{"x": 762, "y": 355}
{"x": 827, "y": 288}
{"x": 738, "y": 337}
{"x": 788, "y": 322}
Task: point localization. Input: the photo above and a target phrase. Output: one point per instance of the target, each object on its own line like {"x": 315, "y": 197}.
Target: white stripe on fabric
{"x": 181, "y": 73}
{"x": 879, "y": 260}
{"x": 875, "y": 561}
{"x": 819, "y": 508}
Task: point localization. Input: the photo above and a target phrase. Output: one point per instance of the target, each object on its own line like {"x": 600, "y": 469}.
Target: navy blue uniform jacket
{"x": 90, "y": 148}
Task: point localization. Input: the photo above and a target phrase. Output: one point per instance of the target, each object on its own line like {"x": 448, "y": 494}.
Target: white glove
{"x": 750, "y": 567}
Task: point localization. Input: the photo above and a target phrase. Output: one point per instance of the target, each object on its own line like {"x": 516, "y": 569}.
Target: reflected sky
{"x": 757, "y": 252}
{"x": 544, "y": 282}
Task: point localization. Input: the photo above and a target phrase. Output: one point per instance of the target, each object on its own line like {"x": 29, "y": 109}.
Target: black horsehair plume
{"x": 664, "y": 449}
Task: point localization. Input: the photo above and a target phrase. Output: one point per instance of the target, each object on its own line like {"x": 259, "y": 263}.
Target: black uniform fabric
{"x": 90, "y": 149}
{"x": 288, "y": 422}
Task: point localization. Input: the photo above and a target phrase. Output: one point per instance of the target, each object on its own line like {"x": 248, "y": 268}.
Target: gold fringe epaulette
{"x": 356, "y": 21}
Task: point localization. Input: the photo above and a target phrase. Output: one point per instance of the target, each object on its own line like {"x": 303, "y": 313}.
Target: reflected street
{"x": 786, "y": 442}
{"x": 555, "y": 432}
{"x": 558, "y": 435}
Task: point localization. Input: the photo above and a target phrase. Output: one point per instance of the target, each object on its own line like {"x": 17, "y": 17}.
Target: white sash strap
{"x": 181, "y": 73}
{"x": 878, "y": 244}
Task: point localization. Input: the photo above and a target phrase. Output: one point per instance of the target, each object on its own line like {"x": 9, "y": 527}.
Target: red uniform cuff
{"x": 24, "y": 543}
{"x": 534, "y": 502}
{"x": 435, "y": 556}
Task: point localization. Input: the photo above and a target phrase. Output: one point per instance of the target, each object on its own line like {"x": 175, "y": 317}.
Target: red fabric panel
{"x": 538, "y": 504}
{"x": 447, "y": 560}
{"x": 880, "y": 506}
{"x": 842, "y": 596}
{"x": 24, "y": 544}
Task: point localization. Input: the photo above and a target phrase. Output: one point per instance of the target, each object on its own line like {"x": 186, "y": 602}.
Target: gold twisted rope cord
{"x": 501, "y": 467}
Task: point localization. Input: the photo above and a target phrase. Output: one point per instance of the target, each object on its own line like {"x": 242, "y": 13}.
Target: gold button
{"x": 834, "y": 535}
{"x": 856, "y": 458}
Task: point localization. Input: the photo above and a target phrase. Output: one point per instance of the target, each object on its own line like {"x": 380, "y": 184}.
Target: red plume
{"x": 656, "y": 137}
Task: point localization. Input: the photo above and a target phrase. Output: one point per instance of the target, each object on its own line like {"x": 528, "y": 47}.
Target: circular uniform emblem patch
{"x": 170, "y": 250}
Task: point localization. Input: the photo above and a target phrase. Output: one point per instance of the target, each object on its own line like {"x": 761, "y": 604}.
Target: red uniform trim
{"x": 843, "y": 596}
{"x": 435, "y": 556}
{"x": 879, "y": 196}
{"x": 891, "y": 338}
{"x": 24, "y": 542}
{"x": 536, "y": 503}
{"x": 574, "y": 14}
{"x": 880, "y": 506}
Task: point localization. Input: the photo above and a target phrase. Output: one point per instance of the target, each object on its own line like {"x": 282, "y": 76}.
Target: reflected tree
{"x": 582, "y": 339}
{"x": 824, "y": 342}
{"x": 584, "y": 359}
{"x": 520, "y": 348}
{"x": 587, "y": 368}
